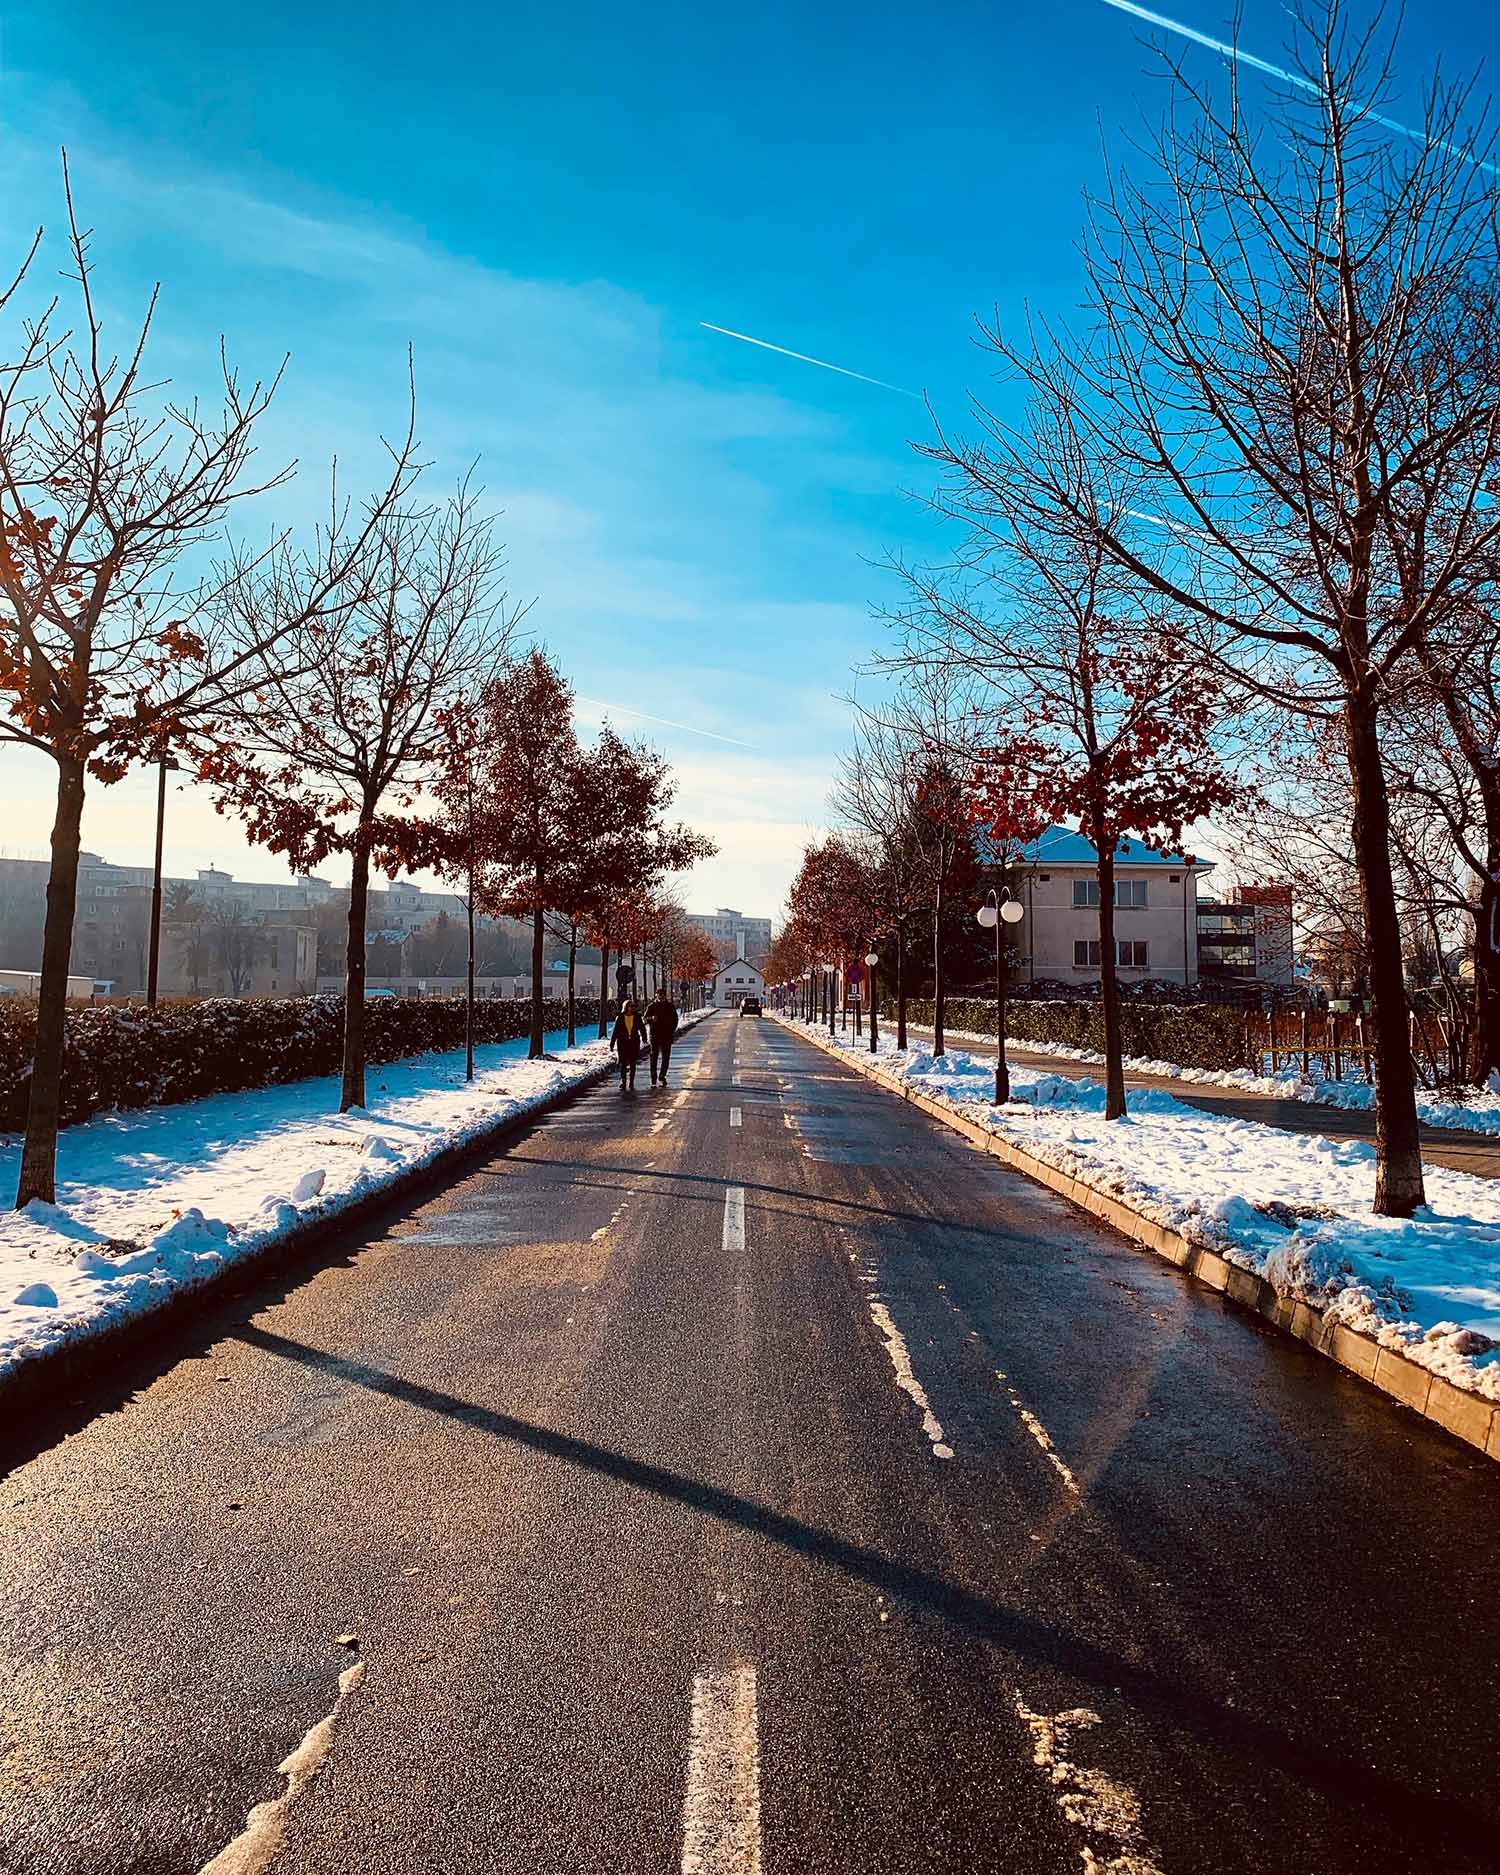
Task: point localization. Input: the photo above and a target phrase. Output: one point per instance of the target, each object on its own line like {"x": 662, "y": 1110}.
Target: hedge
{"x": 126, "y": 1055}
{"x": 1193, "y": 1035}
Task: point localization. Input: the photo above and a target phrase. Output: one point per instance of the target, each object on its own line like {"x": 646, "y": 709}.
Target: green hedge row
{"x": 1194, "y": 1035}
{"x": 126, "y": 1055}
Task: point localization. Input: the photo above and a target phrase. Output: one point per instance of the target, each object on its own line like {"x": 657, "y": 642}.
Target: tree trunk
{"x": 469, "y": 1011}
{"x": 1485, "y": 1051}
{"x": 1398, "y": 1148}
{"x": 572, "y": 984}
{"x": 603, "y": 988}
{"x": 535, "y": 1050}
{"x": 1109, "y": 984}
{"x": 44, "y": 1105}
{"x": 353, "y": 1092}
{"x": 938, "y": 1045}
{"x": 901, "y": 986}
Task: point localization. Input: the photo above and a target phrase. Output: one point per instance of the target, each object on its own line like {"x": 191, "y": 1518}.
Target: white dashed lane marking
{"x": 734, "y": 1219}
{"x": 721, "y": 1805}
{"x": 734, "y": 1117}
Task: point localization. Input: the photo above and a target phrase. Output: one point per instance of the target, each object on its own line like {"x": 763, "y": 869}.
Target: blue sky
{"x": 546, "y": 201}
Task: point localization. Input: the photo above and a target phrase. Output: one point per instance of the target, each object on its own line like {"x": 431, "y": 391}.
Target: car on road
{"x": 750, "y": 1006}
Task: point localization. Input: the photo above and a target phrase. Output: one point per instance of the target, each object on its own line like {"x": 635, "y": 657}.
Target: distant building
{"x": 1248, "y": 936}
{"x": 731, "y": 933}
{"x": 1156, "y": 924}
{"x": 733, "y": 982}
{"x": 112, "y": 925}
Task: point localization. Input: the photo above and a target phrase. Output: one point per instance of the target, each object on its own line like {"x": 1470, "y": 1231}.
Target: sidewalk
{"x": 1475, "y": 1153}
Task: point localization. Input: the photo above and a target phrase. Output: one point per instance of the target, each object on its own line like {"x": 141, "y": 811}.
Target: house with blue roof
{"x": 1156, "y": 911}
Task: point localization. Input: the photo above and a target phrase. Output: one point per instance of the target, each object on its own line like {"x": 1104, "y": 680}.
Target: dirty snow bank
{"x": 1292, "y": 1207}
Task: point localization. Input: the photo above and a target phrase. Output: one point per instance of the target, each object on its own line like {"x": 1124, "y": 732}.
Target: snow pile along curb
{"x": 162, "y": 1201}
{"x": 1280, "y": 1222}
{"x": 1480, "y": 1113}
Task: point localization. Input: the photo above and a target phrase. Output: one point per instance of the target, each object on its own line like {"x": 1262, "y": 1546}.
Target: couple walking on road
{"x": 659, "y": 1024}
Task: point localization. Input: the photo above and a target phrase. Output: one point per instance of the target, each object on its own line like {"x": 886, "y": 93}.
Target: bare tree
{"x": 348, "y": 724}
{"x": 874, "y": 794}
{"x": 104, "y": 487}
{"x": 1291, "y": 379}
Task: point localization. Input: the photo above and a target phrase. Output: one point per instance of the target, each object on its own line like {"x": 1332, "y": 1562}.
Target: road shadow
{"x": 1402, "y": 1810}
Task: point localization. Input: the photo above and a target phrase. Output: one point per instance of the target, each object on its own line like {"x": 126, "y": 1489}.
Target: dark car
{"x": 750, "y": 1006}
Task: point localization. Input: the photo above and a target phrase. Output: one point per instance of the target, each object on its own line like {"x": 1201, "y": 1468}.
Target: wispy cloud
{"x": 803, "y": 358}
{"x": 665, "y": 721}
{"x": 1242, "y": 57}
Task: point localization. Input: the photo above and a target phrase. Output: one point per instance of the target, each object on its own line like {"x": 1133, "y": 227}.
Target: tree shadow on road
{"x": 1404, "y": 1812}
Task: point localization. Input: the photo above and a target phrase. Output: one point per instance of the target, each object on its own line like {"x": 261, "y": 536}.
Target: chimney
{"x": 739, "y": 945}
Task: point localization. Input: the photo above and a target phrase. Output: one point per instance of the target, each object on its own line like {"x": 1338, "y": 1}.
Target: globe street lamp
{"x": 1000, "y": 911}
{"x": 871, "y": 959}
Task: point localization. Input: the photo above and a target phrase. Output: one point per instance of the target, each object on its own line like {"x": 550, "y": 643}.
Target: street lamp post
{"x": 153, "y": 961}
{"x": 994, "y": 915}
{"x": 871, "y": 959}
{"x": 828, "y": 970}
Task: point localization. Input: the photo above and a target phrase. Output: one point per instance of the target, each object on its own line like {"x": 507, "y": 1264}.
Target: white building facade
{"x": 1156, "y": 912}
{"x": 734, "y": 982}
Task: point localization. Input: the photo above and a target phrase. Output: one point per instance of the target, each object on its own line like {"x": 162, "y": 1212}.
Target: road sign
{"x": 624, "y": 973}
{"x": 855, "y": 974}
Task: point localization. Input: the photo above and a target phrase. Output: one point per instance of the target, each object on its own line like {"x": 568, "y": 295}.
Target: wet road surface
{"x": 744, "y": 1475}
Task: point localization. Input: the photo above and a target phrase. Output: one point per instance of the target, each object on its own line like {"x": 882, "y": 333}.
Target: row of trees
{"x": 1230, "y": 550}
{"x": 324, "y": 684}
{"x": 1248, "y": 498}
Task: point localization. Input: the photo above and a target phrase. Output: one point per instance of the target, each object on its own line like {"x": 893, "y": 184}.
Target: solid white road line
{"x": 734, "y": 1117}
{"x": 1106, "y": 1811}
{"x": 721, "y": 1805}
{"x": 734, "y": 1218}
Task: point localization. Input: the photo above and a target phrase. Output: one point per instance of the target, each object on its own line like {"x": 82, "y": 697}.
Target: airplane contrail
{"x": 1241, "y": 57}
{"x": 802, "y": 357}
{"x": 665, "y": 721}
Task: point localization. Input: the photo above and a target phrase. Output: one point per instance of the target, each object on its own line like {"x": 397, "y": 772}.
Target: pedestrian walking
{"x": 661, "y": 1026}
{"x": 626, "y": 1042}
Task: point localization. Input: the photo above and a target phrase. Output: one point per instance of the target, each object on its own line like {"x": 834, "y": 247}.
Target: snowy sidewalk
{"x": 152, "y": 1200}
{"x": 1336, "y": 1110}
{"x": 1291, "y": 1207}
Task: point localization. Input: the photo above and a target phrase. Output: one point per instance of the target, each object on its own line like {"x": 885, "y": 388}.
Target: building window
{"x": 1086, "y": 953}
{"x": 1128, "y": 892}
{"x": 1131, "y": 953}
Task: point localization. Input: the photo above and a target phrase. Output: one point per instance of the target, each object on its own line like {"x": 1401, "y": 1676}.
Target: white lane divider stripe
{"x": 734, "y": 1117}
{"x": 721, "y": 1805}
{"x": 734, "y": 1218}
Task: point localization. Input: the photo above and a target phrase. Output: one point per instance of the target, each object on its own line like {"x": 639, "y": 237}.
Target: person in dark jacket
{"x": 661, "y": 1026}
{"x": 626, "y": 1042}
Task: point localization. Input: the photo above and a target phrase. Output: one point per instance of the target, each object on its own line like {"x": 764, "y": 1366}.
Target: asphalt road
{"x": 601, "y": 1457}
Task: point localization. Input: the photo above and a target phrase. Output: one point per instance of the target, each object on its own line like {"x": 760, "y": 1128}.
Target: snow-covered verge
{"x": 1293, "y": 1208}
{"x": 1480, "y": 1113}
{"x": 153, "y": 1200}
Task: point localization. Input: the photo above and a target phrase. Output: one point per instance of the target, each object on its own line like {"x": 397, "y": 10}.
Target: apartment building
{"x": 732, "y": 933}
{"x": 1156, "y": 911}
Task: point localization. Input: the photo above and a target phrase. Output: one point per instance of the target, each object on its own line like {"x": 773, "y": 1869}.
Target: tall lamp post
{"x": 1000, "y": 910}
{"x": 153, "y": 959}
{"x": 871, "y": 959}
{"x": 828, "y": 978}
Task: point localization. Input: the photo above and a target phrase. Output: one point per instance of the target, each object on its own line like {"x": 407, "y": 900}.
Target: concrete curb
{"x": 36, "y": 1381}
{"x": 1466, "y": 1415}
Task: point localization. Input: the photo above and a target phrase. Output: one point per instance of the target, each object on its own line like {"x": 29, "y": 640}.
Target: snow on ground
{"x": 1292, "y": 1207}
{"x": 151, "y": 1200}
{"x": 1479, "y": 1113}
